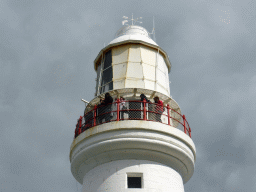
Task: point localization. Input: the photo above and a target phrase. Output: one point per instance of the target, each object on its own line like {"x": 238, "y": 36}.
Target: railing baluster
{"x": 79, "y": 125}
{"x": 168, "y": 113}
{"x": 117, "y": 110}
{"x": 94, "y": 115}
{"x": 184, "y": 124}
{"x": 144, "y": 110}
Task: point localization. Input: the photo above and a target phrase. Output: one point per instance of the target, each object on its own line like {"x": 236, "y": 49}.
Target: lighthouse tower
{"x": 132, "y": 144}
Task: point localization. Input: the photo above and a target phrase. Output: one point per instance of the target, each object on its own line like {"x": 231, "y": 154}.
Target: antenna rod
{"x": 153, "y": 30}
{"x": 154, "y": 35}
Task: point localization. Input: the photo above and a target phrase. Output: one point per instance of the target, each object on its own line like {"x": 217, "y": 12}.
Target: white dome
{"x": 132, "y": 32}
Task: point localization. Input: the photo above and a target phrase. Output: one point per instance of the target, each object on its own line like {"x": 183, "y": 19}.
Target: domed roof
{"x": 132, "y": 32}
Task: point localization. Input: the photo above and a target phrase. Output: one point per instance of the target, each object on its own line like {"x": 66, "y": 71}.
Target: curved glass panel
{"x": 108, "y": 60}
{"x": 161, "y": 64}
{"x": 98, "y": 77}
{"x": 107, "y": 87}
{"x": 107, "y": 74}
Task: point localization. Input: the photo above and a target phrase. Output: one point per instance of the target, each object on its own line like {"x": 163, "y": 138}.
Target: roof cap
{"x": 132, "y": 32}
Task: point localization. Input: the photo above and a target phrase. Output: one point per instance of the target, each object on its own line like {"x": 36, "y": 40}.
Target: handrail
{"x": 132, "y": 110}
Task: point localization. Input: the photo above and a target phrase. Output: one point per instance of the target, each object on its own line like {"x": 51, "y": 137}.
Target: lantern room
{"x": 132, "y": 60}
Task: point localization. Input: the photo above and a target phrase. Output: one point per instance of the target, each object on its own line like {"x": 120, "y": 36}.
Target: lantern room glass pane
{"x": 120, "y": 54}
{"x": 161, "y": 64}
{"x": 119, "y": 71}
{"x": 98, "y": 77}
{"x": 98, "y": 71}
{"x": 134, "y": 53}
{"x": 107, "y": 76}
{"x": 107, "y": 87}
{"x": 161, "y": 78}
{"x": 148, "y": 55}
{"x": 108, "y": 60}
{"x": 134, "y": 70}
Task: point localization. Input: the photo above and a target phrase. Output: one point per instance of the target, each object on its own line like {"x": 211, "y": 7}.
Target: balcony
{"x": 132, "y": 110}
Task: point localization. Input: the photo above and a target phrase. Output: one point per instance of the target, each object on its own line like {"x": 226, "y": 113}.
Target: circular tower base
{"x": 105, "y": 156}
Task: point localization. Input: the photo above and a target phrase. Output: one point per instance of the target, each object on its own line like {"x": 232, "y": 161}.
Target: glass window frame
{"x": 100, "y": 78}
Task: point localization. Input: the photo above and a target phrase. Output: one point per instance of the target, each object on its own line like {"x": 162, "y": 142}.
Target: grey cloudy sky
{"x": 47, "y": 49}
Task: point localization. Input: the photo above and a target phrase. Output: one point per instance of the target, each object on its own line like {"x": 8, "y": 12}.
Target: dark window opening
{"x": 98, "y": 77}
{"x": 108, "y": 60}
{"x": 107, "y": 74}
{"x": 107, "y": 87}
{"x": 134, "y": 182}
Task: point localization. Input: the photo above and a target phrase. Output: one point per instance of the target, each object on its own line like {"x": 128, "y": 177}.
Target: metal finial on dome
{"x": 153, "y": 31}
{"x": 133, "y": 20}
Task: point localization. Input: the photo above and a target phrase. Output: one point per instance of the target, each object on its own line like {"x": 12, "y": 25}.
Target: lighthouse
{"x": 132, "y": 144}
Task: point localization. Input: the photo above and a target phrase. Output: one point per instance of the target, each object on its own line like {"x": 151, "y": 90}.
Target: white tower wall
{"x": 109, "y": 151}
{"x": 112, "y": 177}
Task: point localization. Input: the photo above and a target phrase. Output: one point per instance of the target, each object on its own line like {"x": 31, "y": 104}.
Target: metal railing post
{"x": 117, "y": 110}
{"x": 79, "y": 130}
{"x": 168, "y": 113}
{"x": 144, "y": 110}
{"x": 79, "y": 125}
{"x": 94, "y": 115}
{"x": 184, "y": 124}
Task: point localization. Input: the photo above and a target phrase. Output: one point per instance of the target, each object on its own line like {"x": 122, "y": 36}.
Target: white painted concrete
{"x": 112, "y": 177}
{"x": 132, "y": 140}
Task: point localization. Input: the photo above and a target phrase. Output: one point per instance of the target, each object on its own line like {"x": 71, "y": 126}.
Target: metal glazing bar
{"x": 101, "y": 71}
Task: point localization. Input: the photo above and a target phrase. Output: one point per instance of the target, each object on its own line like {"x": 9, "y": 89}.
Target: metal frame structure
{"x": 135, "y": 113}
{"x": 133, "y": 20}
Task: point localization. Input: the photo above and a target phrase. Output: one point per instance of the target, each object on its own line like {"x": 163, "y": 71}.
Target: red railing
{"x": 132, "y": 110}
